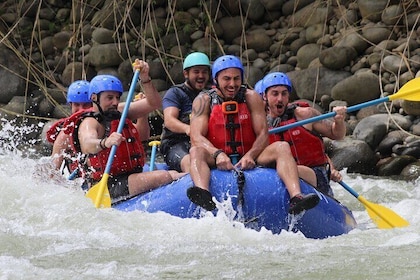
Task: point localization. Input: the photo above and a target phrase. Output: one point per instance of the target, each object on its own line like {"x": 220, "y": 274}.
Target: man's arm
{"x": 61, "y": 144}
{"x": 90, "y": 141}
{"x": 153, "y": 99}
{"x": 332, "y": 128}
{"x": 199, "y": 123}
{"x": 172, "y": 122}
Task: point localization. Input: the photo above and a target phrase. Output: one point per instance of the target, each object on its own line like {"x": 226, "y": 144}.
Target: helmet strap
{"x": 101, "y": 112}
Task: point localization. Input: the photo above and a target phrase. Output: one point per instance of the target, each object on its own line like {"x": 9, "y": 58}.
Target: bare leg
{"x": 199, "y": 167}
{"x": 185, "y": 164}
{"x": 307, "y": 174}
{"x": 279, "y": 152}
{"x": 199, "y": 194}
{"x": 143, "y": 182}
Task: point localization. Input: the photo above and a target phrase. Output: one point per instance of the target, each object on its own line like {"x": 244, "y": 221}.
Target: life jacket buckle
{"x": 230, "y": 107}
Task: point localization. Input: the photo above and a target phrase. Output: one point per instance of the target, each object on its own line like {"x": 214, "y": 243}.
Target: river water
{"x": 49, "y": 230}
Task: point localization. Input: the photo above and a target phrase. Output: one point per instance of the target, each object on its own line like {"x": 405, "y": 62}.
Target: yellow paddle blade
{"x": 383, "y": 217}
{"x": 410, "y": 91}
{"x": 99, "y": 193}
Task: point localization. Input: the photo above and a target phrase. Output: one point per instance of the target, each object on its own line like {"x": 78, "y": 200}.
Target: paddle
{"x": 99, "y": 193}
{"x": 154, "y": 145}
{"x": 383, "y": 217}
{"x": 410, "y": 91}
{"x": 74, "y": 174}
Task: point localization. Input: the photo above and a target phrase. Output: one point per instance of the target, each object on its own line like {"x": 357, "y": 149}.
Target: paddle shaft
{"x": 408, "y": 92}
{"x": 73, "y": 175}
{"x": 328, "y": 115}
{"x": 349, "y": 189}
{"x": 153, "y": 157}
{"x": 122, "y": 120}
{"x": 154, "y": 145}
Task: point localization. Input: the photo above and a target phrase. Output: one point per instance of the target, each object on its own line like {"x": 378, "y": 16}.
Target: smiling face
{"x": 197, "y": 77}
{"x": 277, "y": 99}
{"x": 229, "y": 81}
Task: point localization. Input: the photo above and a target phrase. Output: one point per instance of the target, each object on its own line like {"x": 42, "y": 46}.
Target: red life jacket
{"x": 231, "y": 132}
{"x": 54, "y": 130}
{"x": 129, "y": 156}
{"x": 307, "y": 147}
{"x": 72, "y": 157}
{"x": 64, "y": 124}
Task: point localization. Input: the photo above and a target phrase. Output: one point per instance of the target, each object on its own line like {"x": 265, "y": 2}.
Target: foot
{"x": 201, "y": 197}
{"x": 302, "y": 202}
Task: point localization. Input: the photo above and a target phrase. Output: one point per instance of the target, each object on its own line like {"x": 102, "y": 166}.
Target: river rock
{"x": 394, "y": 165}
{"x": 372, "y": 10}
{"x": 393, "y": 138}
{"x": 355, "y": 155}
{"x": 336, "y": 58}
{"x": 411, "y": 171}
{"x": 365, "y": 84}
{"x": 106, "y": 55}
{"x": 372, "y": 130}
{"x": 12, "y": 83}
{"x": 304, "y": 82}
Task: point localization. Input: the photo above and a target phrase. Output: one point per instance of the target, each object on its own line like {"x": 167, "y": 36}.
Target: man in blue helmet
{"x": 97, "y": 133}
{"x": 229, "y": 132}
{"x": 78, "y": 98}
{"x": 306, "y": 141}
{"x": 258, "y": 87}
{"x": 177, "y": 104}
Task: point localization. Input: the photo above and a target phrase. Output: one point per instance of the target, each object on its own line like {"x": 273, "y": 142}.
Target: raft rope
{"x": 240, "y": 179}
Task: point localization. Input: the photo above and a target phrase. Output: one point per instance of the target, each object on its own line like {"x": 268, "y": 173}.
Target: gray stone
{"x": 106, "y": 55}
{"x": 306, "y": 54}
{"x": 372, "y": 130}
{"x": 336, "y": 58}
{"x": 357, "y": 89}
{"x": 395, "y": 165}
{"x": 372, "y": 10}
{"x": 355, "y": 155}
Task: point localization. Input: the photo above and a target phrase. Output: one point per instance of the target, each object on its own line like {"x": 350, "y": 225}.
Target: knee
{"x": 282, "y": 147}
{"x": 197, "y": 152}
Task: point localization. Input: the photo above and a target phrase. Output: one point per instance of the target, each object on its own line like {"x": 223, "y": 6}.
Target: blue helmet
{"x": 258, "y": 87}
{"x": 78, "y": 92}
{"x": 225, "y": 62}
{"x": 276, "y": 79}
{"x": 102, "y": 83}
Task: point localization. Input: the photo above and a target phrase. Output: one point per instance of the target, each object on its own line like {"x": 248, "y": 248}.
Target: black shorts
{"x": 174, "y": 152}
{"x": 118, "y": 187}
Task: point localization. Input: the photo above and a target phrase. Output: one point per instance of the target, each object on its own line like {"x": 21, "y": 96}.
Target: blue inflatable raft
{"x": 262, "y": 202}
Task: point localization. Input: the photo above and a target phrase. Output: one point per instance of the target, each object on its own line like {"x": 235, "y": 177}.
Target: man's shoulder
{"x": 175, "y": 91}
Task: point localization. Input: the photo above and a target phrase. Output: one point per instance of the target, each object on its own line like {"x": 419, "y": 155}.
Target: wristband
{"x": 102, "y": 145}
{"x": 216, "y": 153}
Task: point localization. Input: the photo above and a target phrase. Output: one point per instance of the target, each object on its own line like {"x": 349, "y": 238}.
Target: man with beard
{"x": 177, "y": 104}
{"x": 239, "y": 142}
{"x": 306, "y": 141}
{"x": 97, "y": 133}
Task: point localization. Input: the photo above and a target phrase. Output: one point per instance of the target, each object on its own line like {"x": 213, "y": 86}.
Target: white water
{"x": 49, "y": 230}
